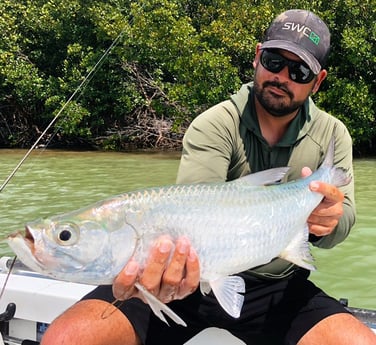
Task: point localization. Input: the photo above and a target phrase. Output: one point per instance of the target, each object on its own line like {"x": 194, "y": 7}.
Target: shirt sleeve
{"x": 207, "y": 146}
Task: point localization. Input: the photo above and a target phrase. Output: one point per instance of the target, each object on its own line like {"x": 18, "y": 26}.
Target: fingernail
{"x": 183, "y": 246}
{"x": 131, "y": 268}
{"x": 192, "y": 256}
{"x": 164, "y": 246}
{"x": 314, "y": 185}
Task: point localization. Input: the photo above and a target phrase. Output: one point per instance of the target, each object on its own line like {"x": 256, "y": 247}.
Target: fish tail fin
{"x": 339, "y": 175}
{"x": 298, "y": 251}
{"x": 158, "y": 307}
{"x": 227, "y": 291}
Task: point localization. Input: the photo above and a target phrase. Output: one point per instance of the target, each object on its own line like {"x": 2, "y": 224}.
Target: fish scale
{"x": 219, "y": 214}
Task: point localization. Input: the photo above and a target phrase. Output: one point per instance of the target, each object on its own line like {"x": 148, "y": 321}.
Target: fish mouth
{"x": 29, "y": 236}
{"x": 23, "y": 245}
{"x": 26, "y": 236}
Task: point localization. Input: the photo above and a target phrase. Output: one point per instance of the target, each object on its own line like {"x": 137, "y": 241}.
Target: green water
{"x": 51, "y": 182}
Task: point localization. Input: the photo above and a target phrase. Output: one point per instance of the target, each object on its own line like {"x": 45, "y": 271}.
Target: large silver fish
{"x": 233, "y": 226}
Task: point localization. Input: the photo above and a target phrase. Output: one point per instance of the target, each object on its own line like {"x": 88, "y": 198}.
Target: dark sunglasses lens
{"x": 272, "y": 62}
{"x": 298, "y": 72}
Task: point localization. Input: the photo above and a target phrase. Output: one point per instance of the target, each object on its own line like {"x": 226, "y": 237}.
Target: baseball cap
{"x": 300, "y": 32}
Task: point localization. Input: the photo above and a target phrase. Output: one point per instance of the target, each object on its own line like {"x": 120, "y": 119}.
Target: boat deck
{"x": 31, "y": 296}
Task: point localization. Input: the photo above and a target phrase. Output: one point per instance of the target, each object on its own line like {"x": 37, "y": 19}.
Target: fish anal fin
{"x": 158, "y": 307}
{"x": 228, "y": 291}
{"x": 298, "y": 251}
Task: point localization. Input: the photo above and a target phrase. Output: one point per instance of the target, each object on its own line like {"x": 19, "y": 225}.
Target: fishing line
{"x": 116, "y": 303}
{"x": 7, "y": 277}
{"x": 111, "y": 308}
{"x": 81, "y": 87}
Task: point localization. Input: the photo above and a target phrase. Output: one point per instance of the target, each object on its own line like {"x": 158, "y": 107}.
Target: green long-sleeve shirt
{"x": 225, "y": 142}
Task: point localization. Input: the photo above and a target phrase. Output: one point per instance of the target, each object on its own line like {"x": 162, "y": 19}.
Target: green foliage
{"x": 73, "y": 123}
{"x": 353, "y": 102}
{"x": 171, "y": 59}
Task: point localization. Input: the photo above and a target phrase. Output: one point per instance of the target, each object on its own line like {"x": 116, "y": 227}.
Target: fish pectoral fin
{"x": 205, "y": 287}
{"x": 227, "y": 291}
{"x": 264, "y": 177}
{"x": 298, "y": 251}
{"x": 158, "y": 307}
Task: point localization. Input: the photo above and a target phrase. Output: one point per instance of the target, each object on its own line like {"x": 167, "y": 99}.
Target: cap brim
{"x": 306, "y": 56}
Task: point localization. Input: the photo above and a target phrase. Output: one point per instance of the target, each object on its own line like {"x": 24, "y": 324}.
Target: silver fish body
{"x": 233, "y": 226}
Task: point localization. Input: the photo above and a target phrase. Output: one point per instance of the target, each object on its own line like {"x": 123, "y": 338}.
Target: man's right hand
{"x": 166, "y": 279}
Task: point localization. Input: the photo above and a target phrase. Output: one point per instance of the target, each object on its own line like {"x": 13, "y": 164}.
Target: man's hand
{"x": 324, "y": 218}
{"x": 166, "y": 279}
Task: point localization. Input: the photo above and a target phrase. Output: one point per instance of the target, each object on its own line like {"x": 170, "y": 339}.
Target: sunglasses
{"x": 299, "y": 72}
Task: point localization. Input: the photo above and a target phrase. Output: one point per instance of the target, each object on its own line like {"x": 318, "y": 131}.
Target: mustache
{"x": 278, "y": 85}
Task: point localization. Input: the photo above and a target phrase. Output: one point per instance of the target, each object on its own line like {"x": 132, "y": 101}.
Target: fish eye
{"x": 66, "y": 234}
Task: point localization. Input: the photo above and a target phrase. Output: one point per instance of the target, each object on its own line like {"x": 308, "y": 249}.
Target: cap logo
{"x": 311, "y": 35}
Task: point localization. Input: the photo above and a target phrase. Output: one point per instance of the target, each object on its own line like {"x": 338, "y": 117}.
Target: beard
{"x": 276, "y": 106}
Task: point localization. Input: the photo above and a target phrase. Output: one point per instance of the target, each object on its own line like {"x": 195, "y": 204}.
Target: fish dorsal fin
{"x": 298, "y": 251}
{"x": 158, "y": 307}
{"x": 264, "y": 177}
{"x": 329, "y": 157}
{"x": 227, "y": 291}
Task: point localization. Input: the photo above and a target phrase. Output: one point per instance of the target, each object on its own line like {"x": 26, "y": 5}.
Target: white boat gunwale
{"x": 21, "y": 322}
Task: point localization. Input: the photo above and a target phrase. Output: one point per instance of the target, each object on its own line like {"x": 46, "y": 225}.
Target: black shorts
{"x": 275, "y": 312}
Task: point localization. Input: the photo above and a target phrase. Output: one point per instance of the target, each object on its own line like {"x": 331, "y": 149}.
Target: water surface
{"x": 349, "y": 269}
{"x": 52, "y": 182}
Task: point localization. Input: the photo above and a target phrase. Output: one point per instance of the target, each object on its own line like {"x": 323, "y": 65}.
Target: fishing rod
{"x": 86, "y": 80}
{"x": 82, "y": 85}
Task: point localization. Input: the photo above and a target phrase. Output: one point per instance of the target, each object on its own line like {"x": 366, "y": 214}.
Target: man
{"x": 268, "y": 123}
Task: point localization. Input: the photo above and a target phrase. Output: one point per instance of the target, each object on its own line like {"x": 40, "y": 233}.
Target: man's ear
{"x": 320, "y": 78}
{"x": 257, "y": 55}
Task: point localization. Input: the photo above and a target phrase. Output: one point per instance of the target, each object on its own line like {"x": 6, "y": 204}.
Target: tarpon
{"x": 233, "y": 226}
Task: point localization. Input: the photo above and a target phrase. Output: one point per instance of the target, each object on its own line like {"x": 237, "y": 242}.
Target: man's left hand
{"x": 324, "y": 218}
